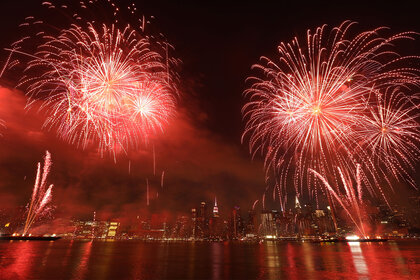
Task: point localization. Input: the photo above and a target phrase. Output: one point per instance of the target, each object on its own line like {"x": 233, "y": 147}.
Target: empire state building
{"x": 215, "y": 209}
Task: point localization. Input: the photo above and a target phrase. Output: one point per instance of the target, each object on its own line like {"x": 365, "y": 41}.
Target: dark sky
{"x": 201, "y": 153}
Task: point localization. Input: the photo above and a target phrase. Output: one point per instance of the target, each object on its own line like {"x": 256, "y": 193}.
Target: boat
{"x": 29, "y": 237}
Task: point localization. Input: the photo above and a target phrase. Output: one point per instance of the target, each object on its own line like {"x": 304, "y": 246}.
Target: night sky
{"x": 201, "y": 151}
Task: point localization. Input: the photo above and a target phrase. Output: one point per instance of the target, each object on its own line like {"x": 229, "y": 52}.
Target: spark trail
{"x": 350, "y": 200}
{"x": 41, "y": 194}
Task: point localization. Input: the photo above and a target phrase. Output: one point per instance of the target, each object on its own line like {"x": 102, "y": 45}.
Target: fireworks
{"x": 41, "y": 194}
{"x": 316, "y": 105}
{"x": 390, "y": 132}
{"x": 107, "y": 84}
{"x": 350, "y": 200}
{"x": 5, "y": 66}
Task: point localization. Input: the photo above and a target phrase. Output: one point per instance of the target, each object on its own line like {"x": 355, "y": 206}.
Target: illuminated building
{"x": 215, "y": 209}
{"x": 251, "y": 226}
{"x": 181, "y": 228}
{"x": 83, "y": 229}
{"x": 112, "y": 229}
{"x": 236, "y": 224}
{"x": 194, "y": 221}
{"x": 95, "y": 229}
{"x": 268, "y": 225}
{"x": 203, "y": 210}
{"x": 214, "y": 222}
{"x": 203, "y": 221}
{"x": 90, "y": 229}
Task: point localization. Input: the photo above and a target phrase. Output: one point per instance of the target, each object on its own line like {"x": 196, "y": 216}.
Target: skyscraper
{"x": 268, "y": 225}
{"x": 251, "y": 226}
{"x": 214, "y": 223}
{"x": 194, "y": 221}
{"x": 203, "y": 210}
{"x": 237, "y": 228}
{"x": 215, "y": 208}
{"x": 203, "y": 221}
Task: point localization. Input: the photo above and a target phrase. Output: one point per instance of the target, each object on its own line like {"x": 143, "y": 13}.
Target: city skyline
{"x": 199, "y": 156}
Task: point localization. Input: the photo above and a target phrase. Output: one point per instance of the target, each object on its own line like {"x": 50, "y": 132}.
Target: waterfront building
{"x": 203, "y": 221}
{"x": 95, "y": 229}
{"x": 268, "y": 224}
{"x": 194, "y": 222}
{"x": 236, "y": 228}
{"x": 251, "y": 225}
{"x": 215, "y": 209}
{"x": 214, "y": 222}
{"x": 112, "y": 230}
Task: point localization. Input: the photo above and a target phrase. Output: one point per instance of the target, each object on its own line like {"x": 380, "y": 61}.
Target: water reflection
{"x": 399, "y": 260}
{"x": 81, "y": 265}
{"x": 106, "y": 252}
{"x": 217, "y": 260}
{"x": 229, "y": 260}
{"x": 191, "y": 261}
{"x": 359, "y": 260}
{"x": 18, "y": 261}
{"x": 272, "y": 259}
{"x": 308, "y": 255}
{"x": 291, "y": 263}
{"x": 226, "y": 256}
{"x": 67, "y": 254}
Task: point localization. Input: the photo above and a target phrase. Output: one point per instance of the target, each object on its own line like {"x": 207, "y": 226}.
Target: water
{"x": 64, "y": 259}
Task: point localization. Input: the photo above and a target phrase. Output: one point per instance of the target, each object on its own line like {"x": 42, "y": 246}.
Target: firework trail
{"x": 255, "y": 203}
{"x": 309, "y": 108}
{"x": 41, "y": 194}
{"x": 351, "y": 200}
{"x": 263, "y": 201}
{"x": 7, "y": 65}
{"x": 103, "y": 84}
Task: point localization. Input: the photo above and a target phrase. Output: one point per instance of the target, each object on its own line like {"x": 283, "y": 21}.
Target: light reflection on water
{"x": 225, "y": 260}
{"x": 359, "y": 260}
{"x": 217, "y": 260}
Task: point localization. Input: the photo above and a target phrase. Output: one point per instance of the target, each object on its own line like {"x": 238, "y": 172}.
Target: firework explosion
{"x": 107, "y": 84}
{"x": 351, "y": 200}
{"x": 318, "y": 105}
{"x": 390, "y": 133}
{"x": 41, "y": 194}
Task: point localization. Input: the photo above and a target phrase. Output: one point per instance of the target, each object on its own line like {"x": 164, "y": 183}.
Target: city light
{"x": 352, "y": 238}
{"x": 270, "y": 237}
